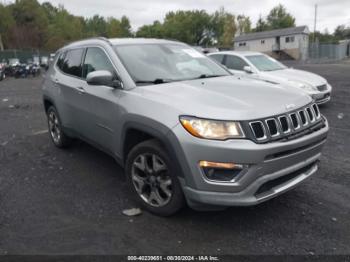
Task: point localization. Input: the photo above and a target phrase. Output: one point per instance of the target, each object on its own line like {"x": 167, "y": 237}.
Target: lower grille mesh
{"x": 283, "y": 179}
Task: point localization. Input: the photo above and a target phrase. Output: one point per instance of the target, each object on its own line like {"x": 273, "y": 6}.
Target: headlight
{"x": 301, "y": 85}
{"x": 211, "y": 129}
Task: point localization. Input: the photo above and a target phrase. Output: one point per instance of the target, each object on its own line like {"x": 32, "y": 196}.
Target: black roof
{"x": 273, "y": 33}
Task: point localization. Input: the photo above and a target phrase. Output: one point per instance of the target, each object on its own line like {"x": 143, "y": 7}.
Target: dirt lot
{"x": 71, "y": 202}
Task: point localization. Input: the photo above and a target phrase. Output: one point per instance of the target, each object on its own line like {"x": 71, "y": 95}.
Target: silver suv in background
{"x": 182, "y": 126}
{"x": 260, "y": 66}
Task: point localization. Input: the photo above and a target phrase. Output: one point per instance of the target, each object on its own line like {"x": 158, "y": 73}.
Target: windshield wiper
{"x": 207, "y": 76}
{"x": 275, "y": 69}
{"x": 155, "y": 81}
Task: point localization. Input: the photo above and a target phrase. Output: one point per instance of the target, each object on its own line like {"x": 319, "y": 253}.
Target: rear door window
{"x": 60, "y": 61}
{"x": 71, "y": 64}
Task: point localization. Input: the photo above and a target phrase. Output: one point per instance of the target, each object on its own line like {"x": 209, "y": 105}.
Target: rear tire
{"x": 59, "y": 138}
{"x": 152, "y": 180}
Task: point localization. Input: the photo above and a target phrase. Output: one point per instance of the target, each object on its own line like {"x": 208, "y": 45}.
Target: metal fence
{"x": 22, "y": 55}
{"x": 329, "y": 52}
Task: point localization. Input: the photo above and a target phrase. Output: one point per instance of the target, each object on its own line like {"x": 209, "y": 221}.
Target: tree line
{"x": 26, "y": 24}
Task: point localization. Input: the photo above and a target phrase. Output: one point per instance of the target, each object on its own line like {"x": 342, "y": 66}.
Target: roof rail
{"x": 99, "y": 38}
{"x": 91, "y": 38}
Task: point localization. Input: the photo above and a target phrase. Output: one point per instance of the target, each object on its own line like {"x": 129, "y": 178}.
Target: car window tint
{"x": 218, "y": 58}
{"x": 96, "y": 59}
{"x": 72, "y": 62}
{"x": 235, "y": 63}
{"x": 60, "y": 61}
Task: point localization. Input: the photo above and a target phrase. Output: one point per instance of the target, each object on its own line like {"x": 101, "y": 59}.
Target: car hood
{"x": 226, "y": 98}
{"x": 282, "y": 76}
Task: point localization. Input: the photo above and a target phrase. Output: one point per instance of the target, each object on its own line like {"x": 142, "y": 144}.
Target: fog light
{"x": 218, "y": 171}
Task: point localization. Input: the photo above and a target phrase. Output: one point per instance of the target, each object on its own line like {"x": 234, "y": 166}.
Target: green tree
{"x": 50, "y": 10}
{"x": 324, "y": 37}
{"x": 217, "y": 24}
{"x": 261, "y": 25}
{"x": 243, "y": 24}
{"x": 280, "y": 18}
{"x": 229, "y": 31}
{"x": 154, "y": 30}
{"x": 27, "y": 24}
{"x": 63, "y": 29}
{"x": 96, "y": 26}
{"x": 113, "y": 27}
{"x": 342, "y": 32}
{"x": 191, "y": 27}
{"x": 125, "y": 27}
{"x": 31, "y": 24}
{"x": 6, "y": 23}
{"x": 116, "y": 28}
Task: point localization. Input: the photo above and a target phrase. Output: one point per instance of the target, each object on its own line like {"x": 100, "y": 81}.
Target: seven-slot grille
{"x": 286, "y": 124}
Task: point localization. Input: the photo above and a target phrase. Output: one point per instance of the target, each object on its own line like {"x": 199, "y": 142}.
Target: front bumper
{"x": 322, "y": 97}
{"x": 273, "y": 168}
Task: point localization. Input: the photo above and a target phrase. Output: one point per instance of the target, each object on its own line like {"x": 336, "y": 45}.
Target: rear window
{"x": 70, "y": 62}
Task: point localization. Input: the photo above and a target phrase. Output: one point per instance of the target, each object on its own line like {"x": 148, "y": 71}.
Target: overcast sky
{"x": 330, "y": 12}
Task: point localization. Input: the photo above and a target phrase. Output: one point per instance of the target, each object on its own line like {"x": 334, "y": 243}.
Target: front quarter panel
{"x": 139, "y": 112}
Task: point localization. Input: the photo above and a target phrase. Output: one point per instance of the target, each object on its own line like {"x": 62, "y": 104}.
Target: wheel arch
{"x": 149, "y": 129}
{"x": 48, "y": 102}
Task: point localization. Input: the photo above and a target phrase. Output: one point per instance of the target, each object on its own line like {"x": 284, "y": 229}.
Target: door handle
{"x": 81, "y": 90}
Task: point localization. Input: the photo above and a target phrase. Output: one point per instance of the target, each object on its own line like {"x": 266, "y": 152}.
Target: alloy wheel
{"x": 151, "y": 180}
{"x": 54, "y": 127}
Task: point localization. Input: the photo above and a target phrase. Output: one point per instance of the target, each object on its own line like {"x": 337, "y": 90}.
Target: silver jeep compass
{"x": 182, "y": 126}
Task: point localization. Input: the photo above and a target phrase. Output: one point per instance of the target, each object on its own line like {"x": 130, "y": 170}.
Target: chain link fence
{"x": 328, "y": 52}
{"x": 22, "y": 55}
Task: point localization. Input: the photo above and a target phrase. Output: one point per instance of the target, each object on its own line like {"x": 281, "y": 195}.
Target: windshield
{"x": 160, "y": 63}
{"x": 265, "y": 63}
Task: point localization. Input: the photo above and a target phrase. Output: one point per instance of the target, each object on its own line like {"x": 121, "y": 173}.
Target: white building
{"x": 290, "y": 42}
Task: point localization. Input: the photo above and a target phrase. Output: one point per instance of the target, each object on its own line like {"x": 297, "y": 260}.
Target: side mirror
{"x": 248, "y": 69}
{"x": 103, "y": 78}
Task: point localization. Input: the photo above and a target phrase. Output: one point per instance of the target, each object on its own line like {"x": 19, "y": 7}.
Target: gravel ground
{"x": 56, "y": 201}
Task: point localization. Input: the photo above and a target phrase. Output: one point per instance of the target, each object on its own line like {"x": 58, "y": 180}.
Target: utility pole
{"x": 315, "y": 23}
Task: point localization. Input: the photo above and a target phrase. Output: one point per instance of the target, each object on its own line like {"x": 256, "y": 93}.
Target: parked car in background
{"x": 36, "y": 60}
{"x": 198, "y": 48}
{"x": 208, "y": 50}
{"x": 21, "y": 70}
{"x": 11, "y": 65}
{"x": 52, "y": 57}
{"x": 260, "y": 66}
{"x": 44, "y": 62}
{"x": 183, "y": 127}
{"x": 205, "y": 50}
{"x": 2, "y": 71}
{"x": 32, "y": 69}
{"x": 14, "y": 62}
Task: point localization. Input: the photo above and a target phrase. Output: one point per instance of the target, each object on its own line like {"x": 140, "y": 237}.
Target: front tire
{"x": 151, "y": 178}
{"x": 59, "y": 138}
